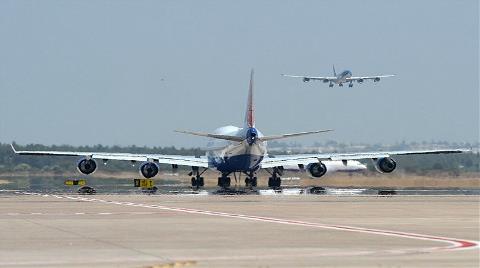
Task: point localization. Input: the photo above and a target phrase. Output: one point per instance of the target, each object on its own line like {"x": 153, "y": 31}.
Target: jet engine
{"x": 86, "y": 166}
{"x": 316, "y": 170}
{"x": 360, "y": 81}
{"x": 326, "y": 80}
{"x": 385, "y": 165}
{"x": 148, "y": 170}
{"x": 306, "y": 79}
{"x": 376, "y": 79}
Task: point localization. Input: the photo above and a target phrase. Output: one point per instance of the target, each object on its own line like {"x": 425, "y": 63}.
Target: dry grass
{"x": 395, "y": 180}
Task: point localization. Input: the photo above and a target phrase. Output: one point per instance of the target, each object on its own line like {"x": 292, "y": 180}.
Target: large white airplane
{"x": 341, "y": 78}
{"x": 235, "y": 150}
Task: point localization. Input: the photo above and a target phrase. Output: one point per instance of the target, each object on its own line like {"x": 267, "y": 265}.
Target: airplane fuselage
{"x": 342, "y": 77}
{"x": 227, "y": 156}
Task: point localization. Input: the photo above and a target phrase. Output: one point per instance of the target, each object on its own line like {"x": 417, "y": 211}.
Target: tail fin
{"x": 250, "y": 112}
{"x": 334, "y": 72}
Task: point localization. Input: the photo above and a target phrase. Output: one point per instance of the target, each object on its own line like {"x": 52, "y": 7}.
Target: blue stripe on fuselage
{"x": 243, "y": 162}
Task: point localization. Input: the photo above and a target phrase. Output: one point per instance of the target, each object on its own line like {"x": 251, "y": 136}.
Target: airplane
{"x": 235, "y": 150}
{"x": 341, "y": 78}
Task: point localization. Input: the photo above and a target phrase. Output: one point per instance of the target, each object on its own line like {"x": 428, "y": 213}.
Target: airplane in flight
{"x": 238, "y": 150}
{"x": 341, "y": 78}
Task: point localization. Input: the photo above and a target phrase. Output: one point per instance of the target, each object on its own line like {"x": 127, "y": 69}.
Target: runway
{"x": 58, "y": 230}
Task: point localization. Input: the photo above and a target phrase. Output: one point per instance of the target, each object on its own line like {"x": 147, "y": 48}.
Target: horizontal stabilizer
{"x": 214, "y": 136}
{"x": 283, "y": 136}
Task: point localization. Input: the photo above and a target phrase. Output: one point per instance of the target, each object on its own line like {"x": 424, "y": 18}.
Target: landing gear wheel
{"x": 251, "y": 182}
{"x": 224, "y": 182}
{"x": 254, "y": 182}
{"x": 274, "y": 182}
{"x": 200, "y": 182}
{"x": 197, "y": 182}
{"x": 270, "y": 182}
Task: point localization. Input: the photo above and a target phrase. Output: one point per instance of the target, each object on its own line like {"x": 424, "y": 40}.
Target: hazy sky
{"x": 89, "y": 72}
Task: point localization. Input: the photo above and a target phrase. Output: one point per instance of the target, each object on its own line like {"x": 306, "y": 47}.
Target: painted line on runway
{"x": 81, "y": 213}
{"x": 454, "y": 243}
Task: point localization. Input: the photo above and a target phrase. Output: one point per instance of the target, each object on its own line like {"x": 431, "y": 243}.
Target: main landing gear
{"x": 197, "y": 179}
{"x": 250, "y": 180}
{"x": 275, "y": 181}
{"x": 224, "y": 181}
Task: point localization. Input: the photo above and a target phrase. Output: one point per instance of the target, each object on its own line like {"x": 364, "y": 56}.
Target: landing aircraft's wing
{"x": 307, "y": 78}
{"x": 305, "y": 159}
{"x": 158, "y": 158}
{"x": 375, "y": 78}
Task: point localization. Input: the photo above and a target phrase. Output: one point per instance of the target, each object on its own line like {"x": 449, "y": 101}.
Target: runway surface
{"x": 59, "y": 230}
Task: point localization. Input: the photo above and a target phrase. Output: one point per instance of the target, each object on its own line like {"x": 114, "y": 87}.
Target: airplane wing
{"x": 307, "y": 78}
{"x": 158, "y": 158}
{"x": 305, "y": 159}
{"x": 375, "y": 78}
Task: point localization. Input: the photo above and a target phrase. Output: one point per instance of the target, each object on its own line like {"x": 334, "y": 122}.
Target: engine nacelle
{"x": 376, "y": 79}
{"x": 149, "y": 169}
{"x": 86, "y": 166}
{"x": 306, "y": 79}
{"x": 325, "y": 80}
{"x": 316, "y": 170}
{"x": 385, "y": 165}
{"x": 360, "y": 81}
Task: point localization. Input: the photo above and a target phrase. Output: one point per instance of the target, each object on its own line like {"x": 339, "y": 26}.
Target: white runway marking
{"x": 453, "y": 243}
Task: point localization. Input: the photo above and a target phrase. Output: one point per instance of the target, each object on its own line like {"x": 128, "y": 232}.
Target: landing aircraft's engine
{"x": 306, "y": 79}
{"x": 376, "y": 79}
{"x": 360, "y": 81}
{"x": 149, "y": 170}
{"x": 316, "y": 170}
{"x": 326, "y": 80}
{"x": 385, "y": 165}
{"x": 87, "y": 166}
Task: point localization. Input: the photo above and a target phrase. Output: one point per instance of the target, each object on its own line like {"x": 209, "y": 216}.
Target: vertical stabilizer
{"x": 334, "y": 72}
{"x": 250, "y": 113}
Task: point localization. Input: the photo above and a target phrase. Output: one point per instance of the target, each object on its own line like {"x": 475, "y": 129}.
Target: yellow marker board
{"x": 144, "y": 183}
{"x": 75, "y": 182}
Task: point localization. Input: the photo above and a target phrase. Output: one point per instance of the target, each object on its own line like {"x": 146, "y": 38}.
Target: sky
{"x": 131, "y": 72}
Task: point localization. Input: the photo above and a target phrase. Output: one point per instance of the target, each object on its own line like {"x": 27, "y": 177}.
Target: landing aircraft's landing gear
{"x": 197, "y": 179}
{"x": 275, "y": 181}
{"x": 251, "y": 180}
{"x": 350, "y": 85}
{"x": 224, "y": 181}
{"x": 340, "y": 85}
{"x": 331, "y": 85}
